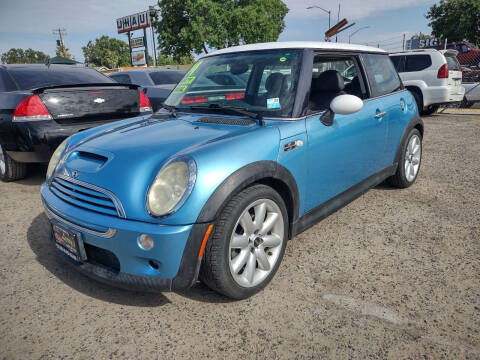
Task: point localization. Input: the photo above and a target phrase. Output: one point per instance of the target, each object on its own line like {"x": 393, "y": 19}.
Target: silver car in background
{"x": 155, "y": 83}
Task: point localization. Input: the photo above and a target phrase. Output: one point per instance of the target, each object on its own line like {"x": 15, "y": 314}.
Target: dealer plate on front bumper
{"x": 69, "y": 242}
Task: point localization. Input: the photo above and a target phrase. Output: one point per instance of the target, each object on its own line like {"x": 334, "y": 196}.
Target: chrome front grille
{"x": 86, "y": 196}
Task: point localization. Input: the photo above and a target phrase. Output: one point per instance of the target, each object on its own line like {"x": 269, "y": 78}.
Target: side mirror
{"x": 346, "y": 104}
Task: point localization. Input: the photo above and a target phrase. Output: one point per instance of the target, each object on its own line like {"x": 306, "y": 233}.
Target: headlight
{"x": 56, "y": 158}
{"x": 171, "y": 187}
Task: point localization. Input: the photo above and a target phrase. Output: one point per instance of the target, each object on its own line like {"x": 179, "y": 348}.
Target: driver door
{"x": 350, "y": 150}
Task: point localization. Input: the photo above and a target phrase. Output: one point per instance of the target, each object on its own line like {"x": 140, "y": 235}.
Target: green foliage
{"x": 107, "y": 51}
{"x": 20, "y": 56}
{"x": 188, "y": 26}
{"x": 456, "y": 20}
{"x": 163, "y": 60}
{"x": 63, "y": 51}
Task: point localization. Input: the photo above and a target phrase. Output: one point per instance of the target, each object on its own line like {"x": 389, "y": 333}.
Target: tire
{"x": 229, "y": 241}
{"x": 410, "y": 160}
{"x": 466, "y": 104}
{"x": 429, "y": 110}
{"x": 418, "y": 99}
{"x": 10, "y": 169}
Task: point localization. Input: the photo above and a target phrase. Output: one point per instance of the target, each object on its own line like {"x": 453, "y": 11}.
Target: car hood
{"x": 125, "y": 159}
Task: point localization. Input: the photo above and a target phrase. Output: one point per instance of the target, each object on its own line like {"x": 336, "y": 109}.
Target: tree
{"x": 163, "y": 60}
{"x": 456, "y": 20}
{"x": 20, "y": 56}
{"x": 63, "y": 51}
{"x": 188, "y": 26}
{"x": 107, "y": 51}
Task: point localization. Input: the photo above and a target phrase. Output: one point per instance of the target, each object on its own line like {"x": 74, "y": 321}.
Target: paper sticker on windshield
{"x": 273, "y": 103}
{"x": 194, "y": 68}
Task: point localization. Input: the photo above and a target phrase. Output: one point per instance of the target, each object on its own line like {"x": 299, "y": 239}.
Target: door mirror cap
{"x": 346, "y": 104}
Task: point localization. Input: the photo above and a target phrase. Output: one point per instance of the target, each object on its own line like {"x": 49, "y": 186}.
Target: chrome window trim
{"x": 51, "y": 215}
{"x": 118, "y": 205}
{"x": 381, "y": 96}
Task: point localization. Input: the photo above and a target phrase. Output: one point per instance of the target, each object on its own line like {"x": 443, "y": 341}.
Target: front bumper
{"x": 115, "y": 257}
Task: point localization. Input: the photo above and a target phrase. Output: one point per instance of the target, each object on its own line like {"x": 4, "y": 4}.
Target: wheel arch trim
{"x": 266, "y": 172}
{"x": 414, "y": 122}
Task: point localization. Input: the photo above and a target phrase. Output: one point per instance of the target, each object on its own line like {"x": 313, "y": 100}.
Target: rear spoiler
{"x": 42, "y": 89}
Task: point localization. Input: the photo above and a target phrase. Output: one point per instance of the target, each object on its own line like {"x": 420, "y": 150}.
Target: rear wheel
{"x": 429, "y": 110}
{"x": 410, "y": 161}
{"x": 248, "y": 243}
{"x": 466, "y": 104}
{"x": 418, "y": 99}
{"x": 10, "y": 169}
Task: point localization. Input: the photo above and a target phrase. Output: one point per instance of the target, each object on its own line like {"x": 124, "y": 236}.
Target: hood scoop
{"x": 86, "y": 161}
{"x": 226, "y": 121}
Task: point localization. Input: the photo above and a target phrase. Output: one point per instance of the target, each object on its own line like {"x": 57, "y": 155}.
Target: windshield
{"x": 264, "y": 82}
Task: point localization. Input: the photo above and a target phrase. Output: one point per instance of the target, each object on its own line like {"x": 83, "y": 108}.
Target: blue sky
{"x": 27, "y": 23}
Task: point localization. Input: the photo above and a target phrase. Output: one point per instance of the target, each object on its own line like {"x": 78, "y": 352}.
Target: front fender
{"x": 414, "y": 122}
{"x": 242, "y": 178}
{"x": 217, "y": 161}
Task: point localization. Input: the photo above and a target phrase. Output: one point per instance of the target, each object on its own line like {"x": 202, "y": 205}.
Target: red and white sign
{"x": 133, "y": 22}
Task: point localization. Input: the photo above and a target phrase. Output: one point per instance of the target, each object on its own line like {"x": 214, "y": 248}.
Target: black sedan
{"x": 156, "y": 83}
{"x": 41, "y": 105}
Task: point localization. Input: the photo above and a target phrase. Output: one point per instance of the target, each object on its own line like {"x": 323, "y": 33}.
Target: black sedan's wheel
{"x": 10, "y": 170}
{"x": 410, "y": 161}
{"x": 248, "y": 243}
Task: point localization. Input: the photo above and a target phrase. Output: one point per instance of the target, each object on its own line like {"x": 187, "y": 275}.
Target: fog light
{"x": 145, "y": 242}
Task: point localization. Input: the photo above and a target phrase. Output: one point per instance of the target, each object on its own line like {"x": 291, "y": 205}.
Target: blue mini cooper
{"x": 253, "y": 146}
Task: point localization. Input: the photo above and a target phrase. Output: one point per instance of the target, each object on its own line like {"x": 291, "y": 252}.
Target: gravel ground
{"x": 395, "y": 274}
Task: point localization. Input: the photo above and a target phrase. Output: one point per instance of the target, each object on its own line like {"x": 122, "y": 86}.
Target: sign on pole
{"x": 138, "y": 58}
{"x": 137, "y": 21}
{"x": 137, "y": 42}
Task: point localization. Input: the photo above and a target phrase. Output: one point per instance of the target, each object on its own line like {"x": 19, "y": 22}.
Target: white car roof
{"x": 320, "y": 45}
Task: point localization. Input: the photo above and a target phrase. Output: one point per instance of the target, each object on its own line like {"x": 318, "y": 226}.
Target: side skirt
{"x": 321, "y": 212}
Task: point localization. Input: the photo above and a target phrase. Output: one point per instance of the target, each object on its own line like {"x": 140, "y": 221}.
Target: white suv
{"x": 434, "y": 77}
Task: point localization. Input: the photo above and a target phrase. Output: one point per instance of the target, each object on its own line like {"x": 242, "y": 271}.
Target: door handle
{"x": 380, "y": 115}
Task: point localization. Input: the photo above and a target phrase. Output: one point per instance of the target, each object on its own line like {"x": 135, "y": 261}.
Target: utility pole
{"x": 60, "y": 43}
{"x": 338, "y": 20}
{"x": 403, "y": 43}
{"x": 130, "y": 48}
{"x": 146, "y": 45}
{"x": 153, "y": 12}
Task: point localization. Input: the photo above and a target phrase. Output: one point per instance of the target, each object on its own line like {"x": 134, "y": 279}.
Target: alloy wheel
{"x": 256, "y": 242}
{"x": 3, "y": 165}
{"x": 412, "y": 158}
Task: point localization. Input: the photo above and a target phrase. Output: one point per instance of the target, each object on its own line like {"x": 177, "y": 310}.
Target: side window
{"x": 381, "y": 73}
{"x": 333, "y": 76}
{"x": 399, "y": 62}
{"x": 417, "y": 62}
{"x": 121, "y": 78}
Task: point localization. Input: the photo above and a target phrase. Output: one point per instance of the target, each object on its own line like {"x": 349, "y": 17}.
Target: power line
{"x": 385, "y": 40}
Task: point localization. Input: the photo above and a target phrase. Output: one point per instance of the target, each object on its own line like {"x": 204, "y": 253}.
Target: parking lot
{"x": 395, "y": 274}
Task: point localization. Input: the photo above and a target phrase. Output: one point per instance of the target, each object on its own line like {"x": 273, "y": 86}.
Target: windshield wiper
{"x": 237, "y": 110}
{"x": 172, "y": 109}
